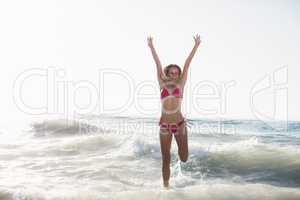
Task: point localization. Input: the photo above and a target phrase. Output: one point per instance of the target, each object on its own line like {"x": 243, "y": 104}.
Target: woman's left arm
{"x": 189, "y": 59}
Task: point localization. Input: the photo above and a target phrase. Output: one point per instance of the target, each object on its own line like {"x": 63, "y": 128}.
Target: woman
{"x": 172, "y": 82}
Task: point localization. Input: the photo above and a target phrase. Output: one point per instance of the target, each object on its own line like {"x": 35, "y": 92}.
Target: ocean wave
{"x": 60, "y": 151}
{"x": 62, "y": 127}
{"x": 248, "y": 160}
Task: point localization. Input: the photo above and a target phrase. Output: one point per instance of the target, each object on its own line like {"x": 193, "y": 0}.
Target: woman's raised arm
{"x": 156, "y": 59}
{"x": 189, "y": 59}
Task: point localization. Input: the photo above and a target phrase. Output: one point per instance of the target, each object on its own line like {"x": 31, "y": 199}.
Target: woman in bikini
{"x": 172, "y": 81}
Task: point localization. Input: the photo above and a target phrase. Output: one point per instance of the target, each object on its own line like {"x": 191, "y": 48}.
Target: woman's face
{"x": 173, "y": 73}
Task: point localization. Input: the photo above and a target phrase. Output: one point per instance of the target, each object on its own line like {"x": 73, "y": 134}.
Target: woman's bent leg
{"x": 182, "y": 142}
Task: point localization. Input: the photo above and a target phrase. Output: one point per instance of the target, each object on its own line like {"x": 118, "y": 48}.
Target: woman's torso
{"x": 171, "y": 98}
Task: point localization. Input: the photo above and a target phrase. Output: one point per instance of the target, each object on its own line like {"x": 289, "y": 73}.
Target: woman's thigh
{"x": 181, "y": 137}
{"x": 165, "y": 141}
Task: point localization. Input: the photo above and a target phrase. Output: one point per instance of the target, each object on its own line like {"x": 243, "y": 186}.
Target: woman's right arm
{"x": 159, "y": 70}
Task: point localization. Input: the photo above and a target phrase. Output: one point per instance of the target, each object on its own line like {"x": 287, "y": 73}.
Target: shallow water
{"x": 102, "y": 157}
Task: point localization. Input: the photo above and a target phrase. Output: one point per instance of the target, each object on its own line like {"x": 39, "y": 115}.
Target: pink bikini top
{"x": 176, "y": 93}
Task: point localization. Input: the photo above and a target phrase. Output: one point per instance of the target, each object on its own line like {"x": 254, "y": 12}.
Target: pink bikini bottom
{"x": 171, "y": 127}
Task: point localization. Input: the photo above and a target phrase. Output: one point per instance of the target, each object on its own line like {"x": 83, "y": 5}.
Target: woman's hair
{"x": 167, "y": 68}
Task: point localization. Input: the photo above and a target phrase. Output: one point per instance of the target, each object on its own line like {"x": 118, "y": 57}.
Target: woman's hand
{"x": 197, "y": 40}
{"x": 150, "y": 41}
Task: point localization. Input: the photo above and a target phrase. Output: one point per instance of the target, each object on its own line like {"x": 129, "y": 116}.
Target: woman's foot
{"x": 166, "y": 184}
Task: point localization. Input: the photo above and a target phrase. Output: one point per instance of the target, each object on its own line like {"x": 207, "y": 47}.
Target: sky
{"x": 91, "y": 57}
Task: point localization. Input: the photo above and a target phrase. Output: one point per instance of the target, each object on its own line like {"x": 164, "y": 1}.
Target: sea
{"x": 95, "y": 157}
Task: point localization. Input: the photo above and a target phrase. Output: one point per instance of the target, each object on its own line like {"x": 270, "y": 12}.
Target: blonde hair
{"x": 167, "y": 69}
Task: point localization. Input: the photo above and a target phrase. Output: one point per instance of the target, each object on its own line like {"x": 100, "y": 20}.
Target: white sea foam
{"x": 55, "y": 160}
